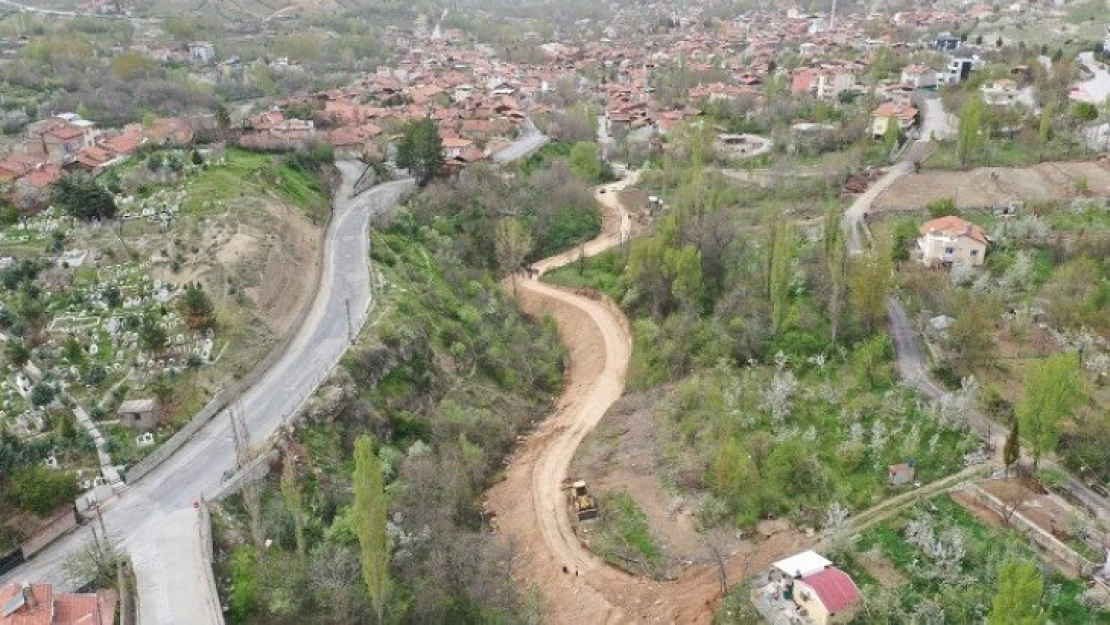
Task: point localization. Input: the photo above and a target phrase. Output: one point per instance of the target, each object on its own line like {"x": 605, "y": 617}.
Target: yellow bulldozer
{"x": 584, "y": 503}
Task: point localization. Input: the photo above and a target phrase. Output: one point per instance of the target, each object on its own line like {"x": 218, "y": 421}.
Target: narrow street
{"x": 914, "y": 369}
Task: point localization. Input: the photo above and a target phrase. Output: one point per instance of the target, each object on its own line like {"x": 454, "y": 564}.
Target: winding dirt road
{"x": 531, "y": 505}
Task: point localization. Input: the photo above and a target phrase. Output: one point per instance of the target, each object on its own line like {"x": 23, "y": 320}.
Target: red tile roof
{"x": 953, "y": 226}
{"x": 834, "y": 589}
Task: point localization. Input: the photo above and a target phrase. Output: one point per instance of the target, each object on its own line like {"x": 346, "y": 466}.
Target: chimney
{"x": 29, "y": 598}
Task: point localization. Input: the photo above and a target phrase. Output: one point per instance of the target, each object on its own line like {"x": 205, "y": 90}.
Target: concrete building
{"x": 140, "y": 414}
{"x": 951, "y": 240}
{"x": 201, "y": 52}
{"x": 919, "y": 76}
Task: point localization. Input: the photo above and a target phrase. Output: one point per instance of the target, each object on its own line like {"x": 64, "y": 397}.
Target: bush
{"x": 41, "y": 490}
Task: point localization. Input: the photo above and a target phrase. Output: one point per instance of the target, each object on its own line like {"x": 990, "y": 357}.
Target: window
{"x": 974, "y": 252}
{"x": 949, "y": 250}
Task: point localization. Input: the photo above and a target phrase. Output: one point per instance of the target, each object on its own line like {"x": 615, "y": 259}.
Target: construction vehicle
{"x": 584, "y": 503}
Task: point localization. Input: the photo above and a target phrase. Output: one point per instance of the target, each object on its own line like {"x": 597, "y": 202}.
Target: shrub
{"x": 41, "y": 490}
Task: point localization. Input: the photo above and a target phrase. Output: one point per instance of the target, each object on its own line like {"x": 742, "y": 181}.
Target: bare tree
{"x": 716, "y": 542}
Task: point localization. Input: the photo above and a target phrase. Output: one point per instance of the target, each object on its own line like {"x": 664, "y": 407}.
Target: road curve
{"x": 913, "y": 368}
{"x": 530, "y": 505}
{"x": 144, "y": 513}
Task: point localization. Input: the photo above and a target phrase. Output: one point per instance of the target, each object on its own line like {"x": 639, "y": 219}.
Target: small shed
{"x": 141, "y": 415}
{"x": 901, "y": 474}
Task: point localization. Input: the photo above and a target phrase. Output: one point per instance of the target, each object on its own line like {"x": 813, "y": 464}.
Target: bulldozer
{"x": 584, "y": 503}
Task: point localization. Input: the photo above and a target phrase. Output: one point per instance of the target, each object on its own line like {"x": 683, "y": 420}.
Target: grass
{"x": 1007, "y": 153}
{"x": 623, "y": 537}
{"x": 248, "y": 173}
{"x": 601, "y": 272}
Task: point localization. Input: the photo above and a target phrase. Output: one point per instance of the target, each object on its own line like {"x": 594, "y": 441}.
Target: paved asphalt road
{"x": 532, "y": 140}
{"x": 146, "y": 511}
{"x": 914, "y": 370}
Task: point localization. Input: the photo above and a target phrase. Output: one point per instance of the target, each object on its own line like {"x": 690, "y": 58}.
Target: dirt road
{"x": 531, "y": 505}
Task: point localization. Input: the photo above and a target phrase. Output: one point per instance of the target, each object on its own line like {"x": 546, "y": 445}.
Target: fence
{"x": 204, "y": 529}
{"x": 57, "y": 526}
{"x": 1041, "y": 538}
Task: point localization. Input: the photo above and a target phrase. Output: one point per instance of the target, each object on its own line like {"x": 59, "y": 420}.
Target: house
{"x": 945, "y": 42}
{"x": 901, "y": 474}
{"x": 958, "y": 69}
{"x": 952, "y": 240}
{"x": 890, "y": 112}
{"x": 38, "y": 604}
{"x": 201, "y": 52}
{"x": 828, "y": 597}
{"x": 1002, "y": 92}
{"x": 455, "y": 146}
{"x": 140, "y": 414}
{"x": 919, "y": 77}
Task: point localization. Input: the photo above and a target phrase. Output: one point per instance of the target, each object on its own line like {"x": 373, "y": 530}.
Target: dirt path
{"x": 531, "y": 505}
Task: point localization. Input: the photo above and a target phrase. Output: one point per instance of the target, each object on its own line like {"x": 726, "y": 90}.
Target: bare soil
{"x": 623, "y": 454}
{"x": 529, "y": 506}
{"x": 988, "y": 186}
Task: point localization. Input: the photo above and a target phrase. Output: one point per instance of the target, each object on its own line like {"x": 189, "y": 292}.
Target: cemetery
{"x": 161, "y": 307}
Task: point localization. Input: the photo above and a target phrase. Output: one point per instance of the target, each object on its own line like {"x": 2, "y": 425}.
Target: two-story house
{"x": 952, "y": 241}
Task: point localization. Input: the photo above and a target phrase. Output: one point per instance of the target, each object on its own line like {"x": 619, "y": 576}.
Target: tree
{"x": 780, "y": 271}
{"x": 1085, "y": 112}
{"x": 868, "y": 286}
{"x": 294, "y": 502}
{"x": 943, "y": 207}
{"x": 132, "y": 66}
{"x": 513, "y": 242}
{"x": 421, "y": 150}
{"x": 16, "y": 353}
{"x": 836, "y": 262}
{"x": 196, "y": 308}
{"x": 967, "y": 136}
{"x": 892, "y": 137}
{"x": 1012, "y": 451}
{"x": 1018, "y": 598}
{"x": 80, "y": 196}
{"x": 370, "y": 509}
{"x": 223, "y": 117}
{"x": 9, "y": 213}
{"x": 1053, "y": 388}
{"x": 152, "y": 335}
{"x": 41, "y": 490}
{"x": 585, "y": 159}
{"x": 1044, "y": 131}
{"x": 43, "y": 394}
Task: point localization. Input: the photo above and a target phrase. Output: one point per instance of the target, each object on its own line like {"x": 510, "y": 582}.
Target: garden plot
{"x": 945, "y": 563}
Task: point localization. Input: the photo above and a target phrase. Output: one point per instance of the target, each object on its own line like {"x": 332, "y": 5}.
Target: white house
{"x": 201, "y": 52}
{"x": 959, "y": 68}
{"x": 951, "y": 240}
{"x": 919, "y": 76}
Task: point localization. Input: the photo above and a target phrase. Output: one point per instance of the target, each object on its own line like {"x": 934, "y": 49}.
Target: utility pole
{"x": 350, "y": 324}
